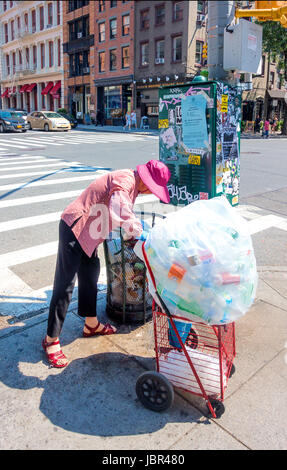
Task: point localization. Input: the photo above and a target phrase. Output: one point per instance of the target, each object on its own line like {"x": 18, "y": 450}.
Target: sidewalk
{"x": 156, "y": 132}
{"x": 92, "y": 403}
{"x": 118, "y": 129}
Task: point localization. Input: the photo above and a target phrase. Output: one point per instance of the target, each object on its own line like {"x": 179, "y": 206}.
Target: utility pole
{"x": 220, "y": 15}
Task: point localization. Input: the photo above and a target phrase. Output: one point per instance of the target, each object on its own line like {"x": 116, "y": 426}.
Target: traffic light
{"x": 204, "y": 51}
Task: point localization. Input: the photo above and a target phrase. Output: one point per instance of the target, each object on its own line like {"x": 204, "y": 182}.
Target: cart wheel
{"x": 154, "y": 391}
{"x": 218, "y": 408}
{"x": 232, "y": 369}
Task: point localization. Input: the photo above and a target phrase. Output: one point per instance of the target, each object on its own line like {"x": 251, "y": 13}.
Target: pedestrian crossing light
{"x": 204, "y": 51}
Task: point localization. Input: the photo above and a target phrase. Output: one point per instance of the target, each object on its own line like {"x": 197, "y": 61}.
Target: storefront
{"x": 114, "y": 98}
{"x": 79, "y": 102}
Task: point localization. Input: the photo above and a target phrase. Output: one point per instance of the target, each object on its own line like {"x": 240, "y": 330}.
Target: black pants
{"x": 72, "y": 261}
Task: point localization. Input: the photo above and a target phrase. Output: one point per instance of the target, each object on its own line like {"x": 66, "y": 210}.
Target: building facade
{"x": 114, "y": 58}
{"x": 78, "y": 48}
{"x": 170, "y": 38}
{"x": 31, "y": 55}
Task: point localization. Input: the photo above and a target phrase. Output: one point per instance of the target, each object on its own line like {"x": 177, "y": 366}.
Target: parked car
{"x": 73, "y": 121}
{"x": 11, "y": 121}
{"x": 48, "y": 121}
{"x": 22, "y": 113}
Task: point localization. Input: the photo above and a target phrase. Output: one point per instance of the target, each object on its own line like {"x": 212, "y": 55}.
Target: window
{"x": 159, "y": 51}
{"x": 14, "y": 61}
{"x": 263, "y": 65}
{"x": 58, "y": 13}
{"x": 126, "y": 25}
{"x": 42, "y": 50}
{"x": 27, "y": 55}
{"x": 6, "y": 32}
{"x": 33, "y": 21}
{"x": 20, "y": 57}
{"x": 34, "y": 57}
{"x": 113, "y": 3}
{"x": 75, "y": 4}
{"x": 198, "y": 52}
{"x": 102, "y": 32}
{"x": 272, "y": 78}
{"x": 26, "y": 23}
{"x": 51, "y": 53}
{"x": 59, "y": 52}
{"x": 18, "y": 24}
{"x": 4, "y": 5}
{"x": 144, "y": 19}
{"x": 177, "y": 48}
{"x": 113, "y": 59}
{"x": 12, "y": 31}
{"x": 201, "y": 7}
{"x": 102, "y": 5}
{"x": 159, "y": 15}
{"x": 113, "y": 28}
{"x": 79, "y": 28}
{"x": 177, "y": 11}
{"x": 125, "y": 57}
{"x": 41, "y": 18}
{"x": 144, "y": 54}
{"x": 79, "y": 63}
{"x": 102, "y": 61}
{"x": 8, "y": 64}
{"x": 50, "y": 13}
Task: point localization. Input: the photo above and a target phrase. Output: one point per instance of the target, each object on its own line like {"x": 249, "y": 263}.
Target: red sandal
{"x": 57, "y": 359}
{"x": 107, "y": 330}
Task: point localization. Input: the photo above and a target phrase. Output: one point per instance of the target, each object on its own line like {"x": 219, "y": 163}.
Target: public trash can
{"x": 128, "y": 299}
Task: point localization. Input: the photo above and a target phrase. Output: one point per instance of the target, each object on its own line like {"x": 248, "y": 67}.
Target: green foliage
{"x": 62, "y": 110}
{"x": 275, "y": 43}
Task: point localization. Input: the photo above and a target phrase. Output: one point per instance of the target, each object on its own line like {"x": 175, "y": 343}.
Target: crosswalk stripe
{"x": 16, "y": 145}
{"x": 51, "y": 182}
{"x": 29, "y": 221}
{"x": 65, "y": 166}
{"x": 31, "y": 143}
{"x": 43, "y": 198}
{"x": 41, "y": 143}
{"x": 37, "y": 160}
{"x": 46, "y": 165}
{"x": 24, "y": 255}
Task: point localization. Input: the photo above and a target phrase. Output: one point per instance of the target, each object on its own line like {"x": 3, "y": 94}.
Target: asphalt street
{"x": 40, "y": 173}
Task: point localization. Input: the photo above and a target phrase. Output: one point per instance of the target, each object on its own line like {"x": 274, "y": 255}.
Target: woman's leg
{"x": 88, "y": 276}
{"x": 68, "y": 261}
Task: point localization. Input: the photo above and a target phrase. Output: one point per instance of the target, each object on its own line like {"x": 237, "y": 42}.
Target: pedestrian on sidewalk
{"x": 274, "y": 125}
{"x": 134, "y": 119}
{"x": 100, "y": 118}
{"x": 107, "y": 203}
{"x": 128, "y": 120}
{"x": 266, "y": 128}
{"x": 257, "y": 124}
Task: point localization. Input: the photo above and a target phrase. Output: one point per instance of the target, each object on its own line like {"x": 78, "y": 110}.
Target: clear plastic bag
{"x": 203, "y": 262}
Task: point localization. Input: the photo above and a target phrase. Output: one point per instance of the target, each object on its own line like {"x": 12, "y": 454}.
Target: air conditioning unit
{"x": 159, "y": 60}
{"x": 86, "y": 69}
{"x": 79, "y": 35}
{"x": 200, "y": 18}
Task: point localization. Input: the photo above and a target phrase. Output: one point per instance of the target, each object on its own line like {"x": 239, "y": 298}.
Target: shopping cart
{"x": 191, "y": 356}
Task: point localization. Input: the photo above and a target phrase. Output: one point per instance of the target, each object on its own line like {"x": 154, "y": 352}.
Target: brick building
{"x": 114, "y": 58}
{"x": 78, "y": 48}
{"x": 31, "y": 55}
{"x": 169, "y": 43}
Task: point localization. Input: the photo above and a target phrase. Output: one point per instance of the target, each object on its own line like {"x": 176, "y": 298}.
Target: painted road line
{"x": 15, "y": 160}
{"x": 66, "y": 166}
{"x": 43, "y": 198}
{"x": 13, "y": 258}
{"x": 29, "y": 221}
{"x": 22, "y": 185}
{"x": 46, "y": 165}
{"x": 63, "y": 195}
{"x": 31, "y": 143}
{"x": 265, "y": 222}
{"x": 17, "y": 146}
{"x": 44, "y": 142}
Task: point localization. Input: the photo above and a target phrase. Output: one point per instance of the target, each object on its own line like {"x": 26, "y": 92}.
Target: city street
{"x": 41, "y": 173}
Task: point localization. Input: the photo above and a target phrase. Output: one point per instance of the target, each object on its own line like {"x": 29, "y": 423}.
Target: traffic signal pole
{"x": 220, "y": 15}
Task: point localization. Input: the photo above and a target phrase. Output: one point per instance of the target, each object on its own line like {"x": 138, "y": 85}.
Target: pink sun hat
{"x": 155, "y": 176}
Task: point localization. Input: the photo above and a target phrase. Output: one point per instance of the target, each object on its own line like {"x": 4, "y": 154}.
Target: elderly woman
{"x": 106, "y": 204}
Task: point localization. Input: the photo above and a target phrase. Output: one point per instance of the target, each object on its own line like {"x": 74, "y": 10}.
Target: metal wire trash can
{"x": 128, "y": 299}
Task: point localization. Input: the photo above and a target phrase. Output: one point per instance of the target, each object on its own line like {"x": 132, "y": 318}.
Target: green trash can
{"x": 128, "y": 299}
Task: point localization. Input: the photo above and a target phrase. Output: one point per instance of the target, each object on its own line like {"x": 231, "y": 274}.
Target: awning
{"x": 5, "y": 93}
{"x": 23, "y": 88}
{"x": 55, "y": 89}
{"x": 30, "y": 87}
{"x": 278, "y": 94}
{"x": 47, "y": 88}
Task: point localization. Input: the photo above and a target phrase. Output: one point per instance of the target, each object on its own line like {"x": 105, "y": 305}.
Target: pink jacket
{"x": 105, "y": 205}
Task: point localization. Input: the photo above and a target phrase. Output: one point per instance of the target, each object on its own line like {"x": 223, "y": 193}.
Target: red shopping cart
{"x": 190, "y": 355}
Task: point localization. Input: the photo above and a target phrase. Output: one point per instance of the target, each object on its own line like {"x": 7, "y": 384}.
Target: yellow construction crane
{"x": 266, "y": 11}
